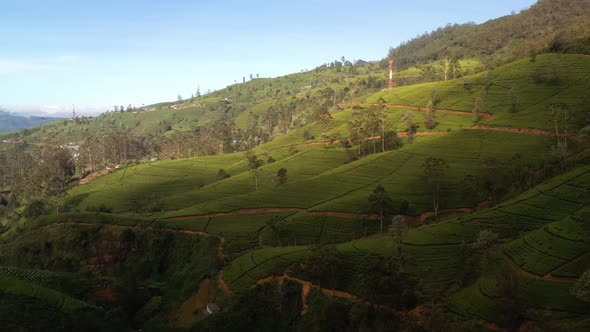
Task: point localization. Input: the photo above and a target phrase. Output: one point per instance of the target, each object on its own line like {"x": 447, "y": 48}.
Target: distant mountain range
{"x": 10, "y": 121}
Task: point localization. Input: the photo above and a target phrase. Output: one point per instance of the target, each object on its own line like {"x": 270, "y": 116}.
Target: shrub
{"x": 222, "y": 174}
{"x": 35, "y": 209}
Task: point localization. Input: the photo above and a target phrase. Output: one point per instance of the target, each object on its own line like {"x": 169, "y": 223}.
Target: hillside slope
{"x": 547, "y": 26}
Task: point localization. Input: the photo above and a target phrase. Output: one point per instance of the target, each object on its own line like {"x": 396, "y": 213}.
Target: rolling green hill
{"x": 547, "y": 26}
{"x": 271, "y": 233}
{"x": 440, "y": 205}
{"x": 333, "y": 186}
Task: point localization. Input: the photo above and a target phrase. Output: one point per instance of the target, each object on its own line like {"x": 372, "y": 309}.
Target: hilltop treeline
{"x": 547, "y": 26}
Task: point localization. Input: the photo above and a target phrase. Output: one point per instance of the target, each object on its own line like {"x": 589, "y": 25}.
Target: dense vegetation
{"x": 547, "y": 26}
{"x": 320, "y": 201}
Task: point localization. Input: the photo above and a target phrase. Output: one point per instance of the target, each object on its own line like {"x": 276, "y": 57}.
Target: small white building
{"x": 212, "y": 308}
{"x": 110, "y": 167}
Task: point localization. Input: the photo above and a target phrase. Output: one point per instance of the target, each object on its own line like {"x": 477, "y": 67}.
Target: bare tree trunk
{"x": 381, "y": 217}
{"x": 435, "y": 200}
{"x": 382, "y": 137}
{"x": 564, "y": 154}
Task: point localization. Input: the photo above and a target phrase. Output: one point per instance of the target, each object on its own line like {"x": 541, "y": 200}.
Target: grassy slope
{"x": 542, "y": 225}
{"x": 255, "y": 96}
{"x": 569, "y": 91}
{"x": 192, "y": 182}
{"x": 59, "y": 300}
{"x": 554, "y": 208}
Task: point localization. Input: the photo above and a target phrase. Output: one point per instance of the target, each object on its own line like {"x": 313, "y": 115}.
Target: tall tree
{"x": 397, "y": 230}
{"x": 430, "y": 116}
{"x": 324, "y": 121}
{"x": 489, "y": 81}
{"x": 275, "y": 226}
{"x": 282, "y": 176}
{"x": 485, "y": 243}
{"x": 411, "y": 127}
{"x": 581, "y": 289}
{"x": 511, "y": 296}
{"x": 357, "y": 127}
{"x": 253, "y": 165}
{"x": 324, "y": 263}
{"x": 373, "y": 122}
{"x": 434, "y": 172}
{"x": 477, "y": 109}
{"x": 561, "y": 120}
{"x": 381, "y": 203}
{"x": 382, "y": 120}
{"x": 455, "y": 67}
{"x": 445, "y": 66}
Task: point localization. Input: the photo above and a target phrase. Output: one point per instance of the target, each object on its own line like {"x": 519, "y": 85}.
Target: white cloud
{"x": 54, "y": 110}
{"x": 50, "y": 109}
{"x": 33, "y": 65}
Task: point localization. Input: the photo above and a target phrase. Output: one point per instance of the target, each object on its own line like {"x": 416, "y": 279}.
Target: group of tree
{"x": 36, "y": 175}
{"x": 547, "y": 26}
{"x": 370, "y": 133}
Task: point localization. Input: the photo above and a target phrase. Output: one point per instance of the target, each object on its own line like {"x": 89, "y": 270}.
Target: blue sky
{"x": 96, "y": 54}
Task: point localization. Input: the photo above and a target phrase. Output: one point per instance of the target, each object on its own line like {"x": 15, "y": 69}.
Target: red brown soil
{"x": 107, "y": 294}
{"x": 349, "y": 215}
{"x": 528, "y": 131}
{"x": 422, "y": 217}
{"x": 307, "y": 286}
{"x": 548, "y": 277}
{"x": 93, "y": 176}
{"x": 188, "y": 312}
{"x": 221, "y": 283}
{"x": 220, "y": 254}
{"x": 420, "y": 108}
{"x": 107, "y": 253}
{"x": 528, "y": 326}
{"x": 239, "y": 212}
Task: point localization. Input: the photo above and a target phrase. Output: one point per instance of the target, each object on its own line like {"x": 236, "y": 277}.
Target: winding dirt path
{"x": 188, "y": 312}
{"x": 307, "y": 286}
{"x": 348, "y": 215}
{"x": 220, "y": 253}
{"x": 238, "y": 212}
{"x": 222, "y": 284}
{"x": 422, "y": 217}
{"x": 515, "y": 267}
{"x": 93, "y": 176}
{"x": 420, "y": 108}
{"x": 528, "y": 131}
{"x": 573, "y": 261}
{"x": 440, "y": 110}
{"x": 373, "y": 138}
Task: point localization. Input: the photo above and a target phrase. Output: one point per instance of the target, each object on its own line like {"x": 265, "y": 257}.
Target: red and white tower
{"x": 390, "y": 86}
